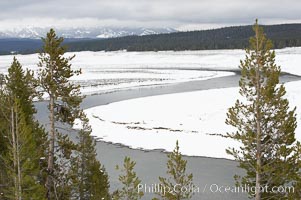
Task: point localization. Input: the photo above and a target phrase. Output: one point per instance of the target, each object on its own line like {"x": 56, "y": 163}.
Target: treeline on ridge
{"x": 285, "y": 35}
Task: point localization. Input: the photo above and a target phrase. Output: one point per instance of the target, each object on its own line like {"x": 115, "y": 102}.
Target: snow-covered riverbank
{"x": 157, "y": 122}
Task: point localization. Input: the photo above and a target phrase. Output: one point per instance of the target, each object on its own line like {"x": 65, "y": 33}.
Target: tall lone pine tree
{"x": 265, "y": 125}
{"x": 64, "y": 97}
{"x": 73, "y": 170}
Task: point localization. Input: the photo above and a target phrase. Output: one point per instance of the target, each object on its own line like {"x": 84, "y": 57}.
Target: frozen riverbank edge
{"x": 121, "y": 98}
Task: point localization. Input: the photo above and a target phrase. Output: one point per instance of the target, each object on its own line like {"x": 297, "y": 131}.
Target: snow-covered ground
{"x": 107, "y": 71}
{"x": 157, "y": 122}
{"x": 107, "y": 80}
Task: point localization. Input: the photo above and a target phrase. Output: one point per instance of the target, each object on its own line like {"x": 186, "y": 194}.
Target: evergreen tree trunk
{"x": 51, "y": 148}
{"x": 82, "y": 192}
{"x": 258, "y": 125}
{"x": 18, "y": 156}
{"x": 14, "y": 153}
{"x": 258, "y": 165}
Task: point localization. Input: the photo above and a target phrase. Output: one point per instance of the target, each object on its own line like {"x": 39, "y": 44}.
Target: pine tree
{"x": 22, "y": 162}
{"x": 130, "y": 182}
{"x": 22, "y": 85}
{"x": 90, "y": 180}
{"x": 4, "y": 142}
{"x": 22, "y": 152}
{"x": 64, "y": 97}
{"x": 265, "y": 125}
{"x": 179, "y": 182}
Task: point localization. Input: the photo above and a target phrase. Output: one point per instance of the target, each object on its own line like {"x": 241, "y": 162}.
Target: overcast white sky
{"x": 179, "y": 14}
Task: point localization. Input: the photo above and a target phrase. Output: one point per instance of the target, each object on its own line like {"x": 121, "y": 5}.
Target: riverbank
{"x": 151, "y": 164}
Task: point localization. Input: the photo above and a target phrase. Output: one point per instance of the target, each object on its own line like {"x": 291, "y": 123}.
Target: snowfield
{"x": 110, "y": 71}
{"x": 157, "y": 122}
{"x": 108, "y": 80}
{"x": 107, "y": 72}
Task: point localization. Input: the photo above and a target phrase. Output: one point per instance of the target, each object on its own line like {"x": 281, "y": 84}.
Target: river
{"x": 208, "y": 173}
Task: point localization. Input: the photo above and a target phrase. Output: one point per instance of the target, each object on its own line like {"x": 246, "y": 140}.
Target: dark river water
{"x": 209, "y": 174}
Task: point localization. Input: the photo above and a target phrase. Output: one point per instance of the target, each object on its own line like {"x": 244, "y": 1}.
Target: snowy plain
{"x": 157, "y": 122}
{"x": 109, "y": 71}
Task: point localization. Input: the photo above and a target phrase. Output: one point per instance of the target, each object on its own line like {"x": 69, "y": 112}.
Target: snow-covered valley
{"x": 156, "y": 122}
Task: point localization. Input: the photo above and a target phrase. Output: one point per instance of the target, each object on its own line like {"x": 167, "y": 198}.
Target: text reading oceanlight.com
{"x": 212, "y": 188}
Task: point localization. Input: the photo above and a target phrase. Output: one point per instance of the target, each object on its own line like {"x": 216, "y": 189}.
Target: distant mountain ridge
{"x": 102, "y": 32}
{"x": 237, "y": 37}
